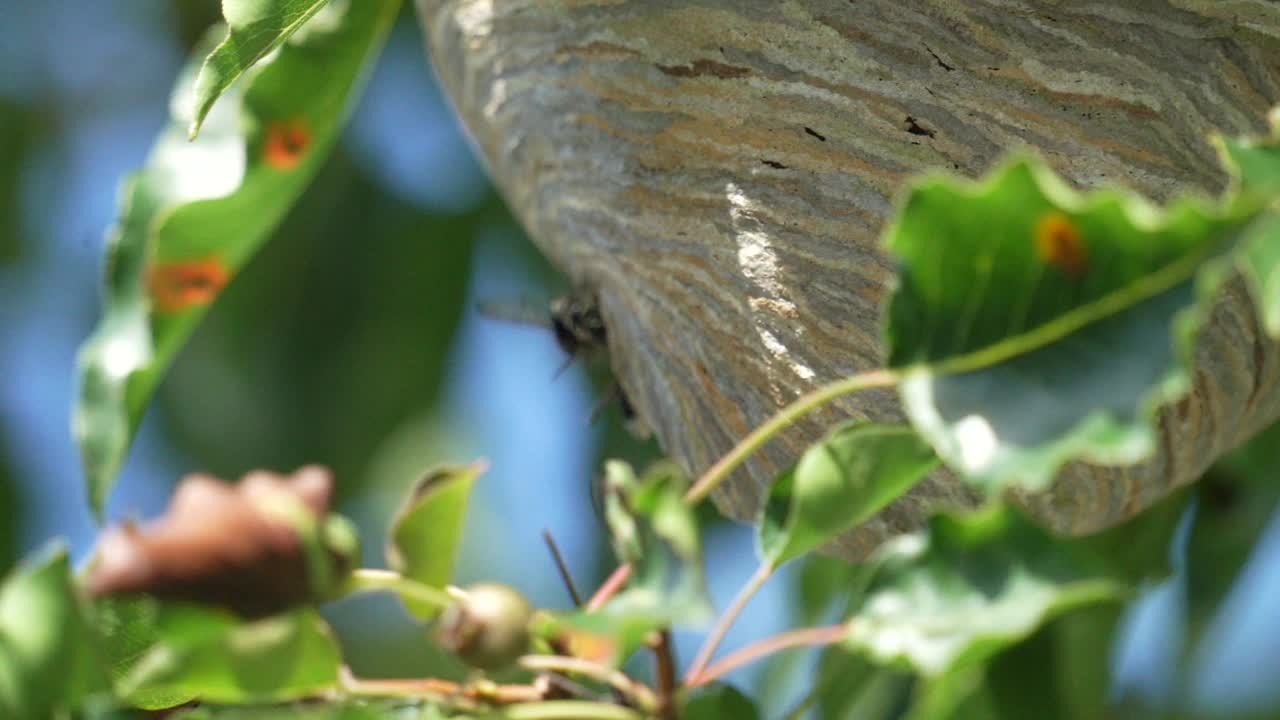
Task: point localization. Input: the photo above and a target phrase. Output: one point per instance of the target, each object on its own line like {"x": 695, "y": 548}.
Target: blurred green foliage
{"x": 281, "y": 388}
{"x": 18, "y": 129}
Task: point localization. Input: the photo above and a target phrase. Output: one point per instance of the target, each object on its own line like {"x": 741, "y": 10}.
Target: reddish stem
{"x": 611, "y": 586}
{"x": 807, "y": 637}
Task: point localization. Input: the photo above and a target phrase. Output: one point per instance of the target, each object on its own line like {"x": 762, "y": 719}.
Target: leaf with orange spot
{"x": 1036, "y": 325}
{"x": 181, "y": 285}
{"x": 1059, "y": 244}
{"x": 199, "y": 210}
{"x": 286, "y": 143}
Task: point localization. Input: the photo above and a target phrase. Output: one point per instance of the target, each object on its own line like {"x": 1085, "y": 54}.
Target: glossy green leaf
{"x": 970, "y": 587}
{"x": 1037, "y": 325}
{"x": 840, "y": 481}
{"x": 427, "y": 530}
{"x": 199, "y": 210}
{"x": 657, "y": 533}
{"x": 254, "y": 29}
{"x": 50, "y": 660}
{"x": 720, "y": 702}
{"x": 216, "y": 657}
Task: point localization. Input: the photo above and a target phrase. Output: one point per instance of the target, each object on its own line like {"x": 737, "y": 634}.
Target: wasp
{"x": 578, "y": 327}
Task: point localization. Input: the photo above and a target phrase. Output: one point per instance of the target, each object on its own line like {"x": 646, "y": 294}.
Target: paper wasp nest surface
{"x": 720, "y": 172}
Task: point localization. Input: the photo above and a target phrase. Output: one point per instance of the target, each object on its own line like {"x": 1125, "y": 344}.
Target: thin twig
{"x": 562, "y": 567}
{"x": 664, "y": 657}
{"x": 445, "y": 691}
{"x": 726, "y": 620}
{"x": 636, "y": 691}
{"x": 611, "y": 586}
{"x": 784, "y": 418}
{"x": 807, "y": 637}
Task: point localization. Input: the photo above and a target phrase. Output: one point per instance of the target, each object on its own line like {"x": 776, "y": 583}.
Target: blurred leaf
{"x": 1035, "y": 323}
{"x": 848, "y": 686}
{"x": 254, "y": 29}
{"x": 198, "y": 212}
{"x": 720, "y": 702}
{"x": 840, "y": 481}
{"x": 1062, "y": 672}
{"x": 129, "y": 627}
{"x": 970, "y": 587}
{"x": 1237, "y": 501}
{"x": 957, "y": 695}
{"x": 351, "y": 710}
{"x": 18, "y": 138}
{"x": 654, "y": 531}
{"x": 256, "y": 389}
{"x": 49, "y": 656}
{"x": 11, "y": 505}
{"x": 215, "y": 657}
{"x": 427, "y": 530}
{"x": 822, "y": 581}
{"x": 1255, "y": 163}
{"x": 1260, "y": 263}
{"x": 1140, "y": 548}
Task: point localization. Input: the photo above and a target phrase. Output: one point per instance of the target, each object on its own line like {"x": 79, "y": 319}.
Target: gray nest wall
{"x": 719, "y": 172}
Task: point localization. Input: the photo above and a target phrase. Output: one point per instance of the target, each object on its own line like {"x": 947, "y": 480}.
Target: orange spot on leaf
{"x": 590, "y": 646}
{"x": 178, "y": 286}
{"x": 287, "y": 142}
{"x": 1060, "y": 244}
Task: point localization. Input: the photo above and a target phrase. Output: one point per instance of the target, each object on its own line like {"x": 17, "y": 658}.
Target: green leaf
{"x": 199, "y": 210}
{"x": 215, "y": 657}
{"x": 254, "y": 29}
{"x": 821, "y": 582}
{"x": 1256, "y": 165}
{"x": 1260, "y": 263}
{"x": 1061, "y": 672}
{"x": 349, "y": 710}
{"x": 1236, "y": 504}
{"x": 970, "y": 587}
{"x": 657, "y": 533}
{"x": 49, "y": 656}
{"x": 849, "y": 686}
{"x": 427, "y": 530}
{"x": 840, "y": 481}
{"x": 957, "y": 695}
{"x": 668, "y": 570}
{"x": 720, "y": 702}
{"x": 1036, "y": 325}
{"x": 129, "y": 627}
